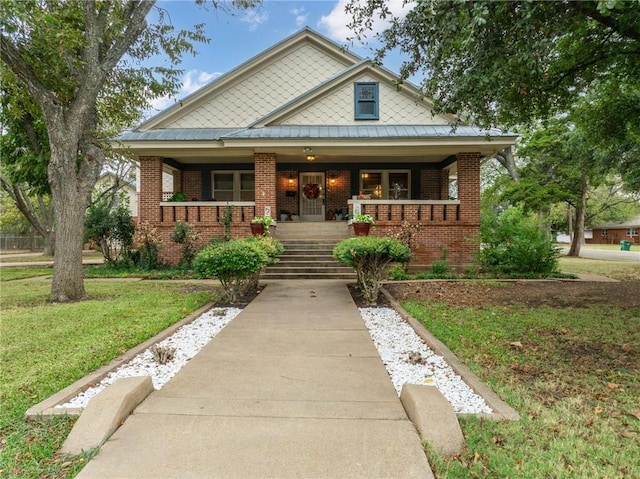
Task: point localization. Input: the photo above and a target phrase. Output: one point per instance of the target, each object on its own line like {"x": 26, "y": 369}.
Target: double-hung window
{"x": 233, "y": 185}
{"x": 366, "y": 101}
{"x": 632, "y": 231}
{"x": 385, "y": 184}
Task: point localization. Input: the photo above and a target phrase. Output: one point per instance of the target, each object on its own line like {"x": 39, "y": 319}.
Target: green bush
{"x": 187, "y": 237}
{"x": 111, "y": 229}
{"x": 514, "y": 243}
{"x": 369, "y": 257}
{"x": 236, "y": 264}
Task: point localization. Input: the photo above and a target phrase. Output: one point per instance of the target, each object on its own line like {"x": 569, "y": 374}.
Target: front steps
{"x": 309, "y": 252}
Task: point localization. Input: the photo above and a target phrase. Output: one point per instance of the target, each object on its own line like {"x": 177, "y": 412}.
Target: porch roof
{"x": 313, "y": 132}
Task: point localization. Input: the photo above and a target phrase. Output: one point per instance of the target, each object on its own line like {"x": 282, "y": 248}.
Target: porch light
{"x": 309, "y": 153}
{"x": 311, "y": 158}
{"x": 332, "y": 180}
{"x": 290, "y": 179}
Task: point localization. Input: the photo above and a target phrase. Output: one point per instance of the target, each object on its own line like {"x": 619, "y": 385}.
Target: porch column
{"x": 469, "y": 187}
{"x": 265, "y": 187}
{"x": 150, "y": 188}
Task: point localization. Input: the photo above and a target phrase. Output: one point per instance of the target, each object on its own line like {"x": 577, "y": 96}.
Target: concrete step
{"x": 304, "y": 269}
{"x": 298, "y": 276}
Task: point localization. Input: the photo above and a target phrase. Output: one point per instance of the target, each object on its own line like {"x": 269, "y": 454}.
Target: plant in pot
{"x": 362, "y": 224}
{"x": 260, "y": 225}
{"x": 284, "y": 215}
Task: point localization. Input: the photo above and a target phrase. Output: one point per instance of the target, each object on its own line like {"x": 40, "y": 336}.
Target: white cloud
{"x": 301, "y": 16}
{"x": 335, "y": 24}
{"x": 191, "y": 81}
{"x": 255, "y": 18}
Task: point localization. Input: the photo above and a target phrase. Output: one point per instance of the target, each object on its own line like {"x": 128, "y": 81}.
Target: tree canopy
{"x": 507, "y": 63}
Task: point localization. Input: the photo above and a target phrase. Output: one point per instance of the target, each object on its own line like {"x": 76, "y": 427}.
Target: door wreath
{"x": 311, "y": 191}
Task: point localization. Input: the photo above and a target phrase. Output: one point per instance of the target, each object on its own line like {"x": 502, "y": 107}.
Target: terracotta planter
{"x": 257, "y": 229}
{"x": 361, "y": 229}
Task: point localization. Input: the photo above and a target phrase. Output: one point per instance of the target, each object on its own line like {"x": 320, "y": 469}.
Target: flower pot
{"x": 361, "y": 229}
{"x": 257, "y": 229}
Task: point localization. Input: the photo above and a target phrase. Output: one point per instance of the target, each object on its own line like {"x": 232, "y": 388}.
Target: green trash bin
{"x": 625, "y": 245}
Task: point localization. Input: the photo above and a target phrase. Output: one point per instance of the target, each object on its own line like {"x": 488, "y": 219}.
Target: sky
{"x": 240, "y": 36}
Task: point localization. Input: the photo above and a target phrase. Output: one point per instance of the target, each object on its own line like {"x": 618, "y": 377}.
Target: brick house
{"x": 613, "y": 233}
{"x": 309, "y": 128}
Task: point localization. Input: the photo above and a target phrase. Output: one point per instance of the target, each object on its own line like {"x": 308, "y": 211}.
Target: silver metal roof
{"x": 312, "y": 132}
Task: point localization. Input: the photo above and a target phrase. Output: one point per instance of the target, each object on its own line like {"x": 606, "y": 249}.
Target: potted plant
{"x": 362, "y": 224}
{"x": 260, "y": 225}
{"x": 284, "y": 215}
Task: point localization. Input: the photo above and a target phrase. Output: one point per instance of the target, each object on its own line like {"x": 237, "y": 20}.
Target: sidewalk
{"x": 291, "y": 388}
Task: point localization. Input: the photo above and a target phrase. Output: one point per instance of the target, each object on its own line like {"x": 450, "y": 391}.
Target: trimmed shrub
{"x": 369, "y": 256}
{"x": 236, "y": 264}
{"x": 514, "y": 243}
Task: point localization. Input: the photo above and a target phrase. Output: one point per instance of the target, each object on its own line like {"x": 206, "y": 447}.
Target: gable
{"x": 262, "y": 90}
{"x": 337, "y": 107}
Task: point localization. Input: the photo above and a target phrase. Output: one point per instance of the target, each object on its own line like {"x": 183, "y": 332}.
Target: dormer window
{"x": 366, "y": 101}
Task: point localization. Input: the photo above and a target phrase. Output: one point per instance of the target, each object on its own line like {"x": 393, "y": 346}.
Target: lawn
{"x": 23, "y": 272}
{"x": 573, "y": 374}
{"x": 621, "y": 270}
{"x": 44, "y": 347}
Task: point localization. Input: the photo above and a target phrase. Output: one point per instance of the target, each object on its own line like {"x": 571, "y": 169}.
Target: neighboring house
{"x": 613, "y": 233}
{"x": 313, "y": 129}
{"x": 109, "y": 181}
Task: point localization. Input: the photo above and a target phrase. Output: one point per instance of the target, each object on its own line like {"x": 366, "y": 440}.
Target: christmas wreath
{"x": 311, "y": 191}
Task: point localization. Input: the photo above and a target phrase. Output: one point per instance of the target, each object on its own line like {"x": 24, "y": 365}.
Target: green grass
{"x": 23, "y": 272}
{"x": 622, "y": 270}
{"x": 575, "y": 381}
{"x": 167, "y": 272}
{"x": 45, "y": 347}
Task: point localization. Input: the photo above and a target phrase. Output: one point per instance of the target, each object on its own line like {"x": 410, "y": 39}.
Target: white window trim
{"x": 632, "y": 232}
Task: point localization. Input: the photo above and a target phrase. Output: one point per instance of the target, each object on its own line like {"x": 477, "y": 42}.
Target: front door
{"x": 311, "y": 196}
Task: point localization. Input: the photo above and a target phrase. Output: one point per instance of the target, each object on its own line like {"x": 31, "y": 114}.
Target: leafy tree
{"x": 111, "y": 228}
{"x": 81, "y": 63}
{"x": 505, "y": 63}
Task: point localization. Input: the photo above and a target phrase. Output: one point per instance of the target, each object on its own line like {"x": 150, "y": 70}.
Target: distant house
{"x": 613, "y": 233}
{"x": 310, "y": 128}
{"x": 109, "y": 181}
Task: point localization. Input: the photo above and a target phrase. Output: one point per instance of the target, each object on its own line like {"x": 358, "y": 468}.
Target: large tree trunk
{"x": 578, "y": 236}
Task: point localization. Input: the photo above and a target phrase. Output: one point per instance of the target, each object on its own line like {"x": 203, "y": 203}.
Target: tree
{"x": 81, "y": 63}
{"x": 560, "y": 166}
{"x": 509, "y": 62}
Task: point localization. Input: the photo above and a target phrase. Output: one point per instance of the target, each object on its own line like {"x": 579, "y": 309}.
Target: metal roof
{"x": 632, "y": 223}
{"x": 313, "y": 132}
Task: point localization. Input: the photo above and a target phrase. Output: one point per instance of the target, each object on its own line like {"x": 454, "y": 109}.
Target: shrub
{"x": 369, "y": 257}
{"x": 515, "y": 243}
{"x": 235, "y": 264}
{"x": 111, "y": 229}
{"x": 147, "y": 239}
{"x": 186, "y": 236}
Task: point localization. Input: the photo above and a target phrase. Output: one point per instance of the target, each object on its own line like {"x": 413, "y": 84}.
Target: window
{"x": 632, "y": 231}
{"x": 385, "y": 184}
{"x": 604, "y": 233}
{"x": 366, "y": 101}
{"x": 233, "y": 185}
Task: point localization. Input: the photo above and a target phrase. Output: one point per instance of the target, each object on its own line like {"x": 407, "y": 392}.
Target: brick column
{"x": 469, "y": 187}
{"x": 150, "y": 188}
{"x": 265, "y": 188}
{"x": 177, "y": 180}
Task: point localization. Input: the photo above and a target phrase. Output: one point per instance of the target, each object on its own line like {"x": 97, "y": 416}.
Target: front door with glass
{"x": 311, "y": 196}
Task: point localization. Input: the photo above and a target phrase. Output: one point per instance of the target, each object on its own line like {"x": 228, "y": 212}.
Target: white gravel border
{"x": 405, "y": 355}
{"x": 187, "y": 341}
{"x": 410, "y": 361}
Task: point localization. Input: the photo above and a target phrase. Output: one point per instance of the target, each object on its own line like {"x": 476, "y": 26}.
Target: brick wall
{"x": 192, "y": 185}
{"x": 468, "y": 165}
{"x": 338, "y": 189}
{"x": 265, "y": 171}
{"x": 284, "y": 202}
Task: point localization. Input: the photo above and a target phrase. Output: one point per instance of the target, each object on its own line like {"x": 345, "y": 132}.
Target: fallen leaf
{"x": 476, "y": 457}
{"x": 613, "y": 385}
{"x": 597, "y": 410}
{"x": 516, "y": 344}
{"x": 636, "y": 413}
{"x": 629, "y": 434}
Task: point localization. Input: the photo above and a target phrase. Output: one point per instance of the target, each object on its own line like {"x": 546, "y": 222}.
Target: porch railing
{"x": 413, "y": 211}
{"x": 205, "y": 212}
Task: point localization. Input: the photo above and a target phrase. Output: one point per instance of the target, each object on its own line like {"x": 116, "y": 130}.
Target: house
{"x": 613, "y": 233}
{"x": 309, "y": 128}
{"x": 109, "y": 182}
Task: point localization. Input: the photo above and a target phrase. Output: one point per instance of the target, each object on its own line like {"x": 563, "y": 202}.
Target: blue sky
{"x": 238, "y": 37}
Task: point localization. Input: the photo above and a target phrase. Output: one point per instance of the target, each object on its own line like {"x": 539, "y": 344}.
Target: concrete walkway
{"x": 291, "y": 388}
